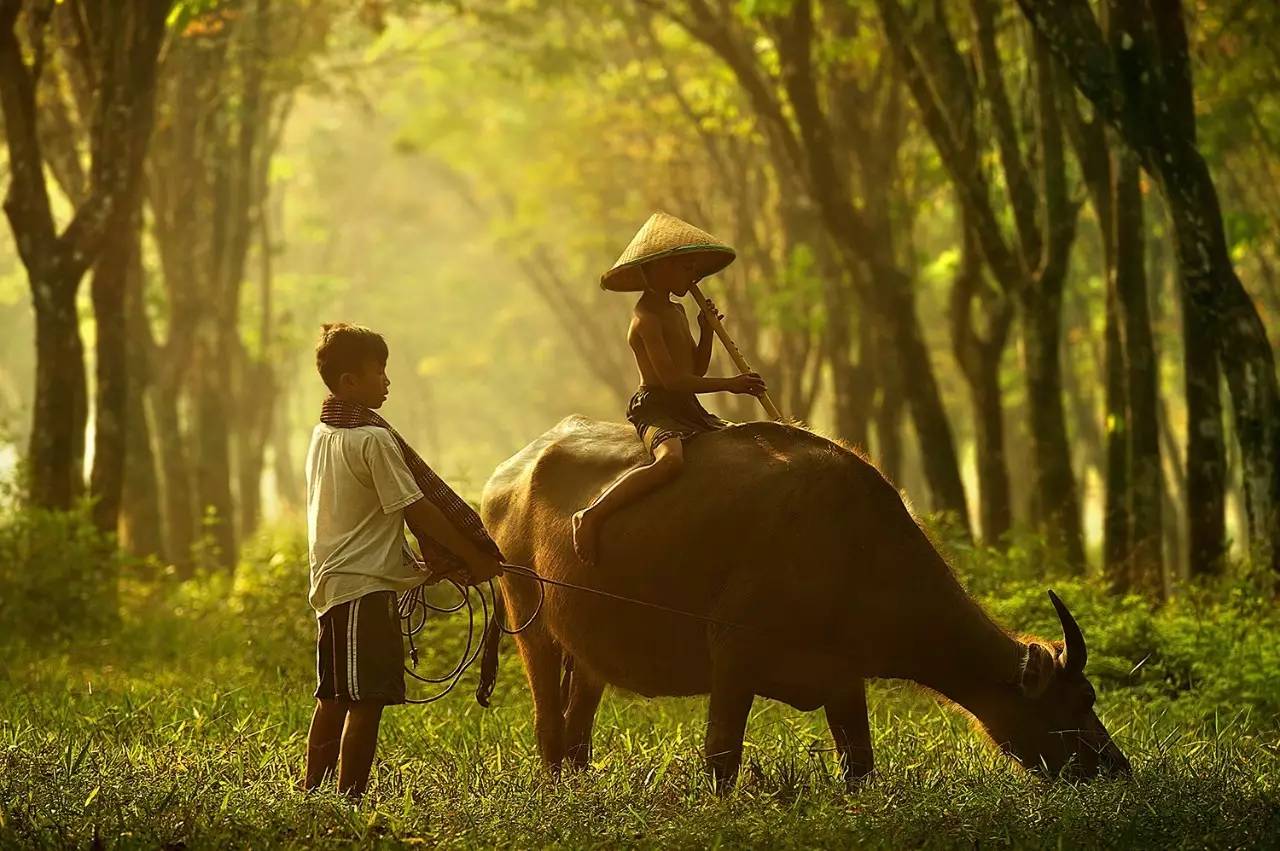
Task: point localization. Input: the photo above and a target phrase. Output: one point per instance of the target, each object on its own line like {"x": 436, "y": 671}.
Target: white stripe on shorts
{"x": 355, "y": 655}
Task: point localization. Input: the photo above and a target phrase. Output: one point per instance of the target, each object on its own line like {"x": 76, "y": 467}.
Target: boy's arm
{"x": 706, "y": 340}
{"x": 426, "y": 521}
{"x": 673, "y": 378}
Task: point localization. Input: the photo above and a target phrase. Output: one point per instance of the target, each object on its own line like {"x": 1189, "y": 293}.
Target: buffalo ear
{"x": 1039, "y": 671}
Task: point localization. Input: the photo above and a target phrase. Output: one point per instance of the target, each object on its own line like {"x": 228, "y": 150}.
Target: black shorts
{"x": 360, "y": 652}
{"x": 660, "y": 415}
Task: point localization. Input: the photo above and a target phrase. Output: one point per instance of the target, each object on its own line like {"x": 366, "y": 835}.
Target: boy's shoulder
{"x": 354, "y": 435}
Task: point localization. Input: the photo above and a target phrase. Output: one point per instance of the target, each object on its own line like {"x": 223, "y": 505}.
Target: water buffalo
{"x": 804, "y": 542}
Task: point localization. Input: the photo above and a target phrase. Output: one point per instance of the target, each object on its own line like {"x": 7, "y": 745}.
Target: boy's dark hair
{"x": 346, "y": 348}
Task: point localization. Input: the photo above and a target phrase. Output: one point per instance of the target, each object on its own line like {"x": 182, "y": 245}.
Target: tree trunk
{"x": 1117, "y": 521}
{"x": 1055, "y": 504}
{"x": 1175, "y": 495}
{"x": 1206, "y": 452}
{"x": 288, "y": 477}
{"x": 111, "y": 414}
{"x": 1243, "y": 354}
{"x": 252, "y": 438}
{"x": 60, "y": 413}
{"x": 1146, "y": 564}
{"x": 175, "y": 466}
{"x": 993, "y": 470}
{"x": 141, "y": 521}
{"x": 890, "y": 294}
{"x": 848, "y": 397}
{"x": 212, "y": 430}
{"x": 979, "y": 360}
{"x": 126, "y": 40}
{"x": 1144, "y": 89}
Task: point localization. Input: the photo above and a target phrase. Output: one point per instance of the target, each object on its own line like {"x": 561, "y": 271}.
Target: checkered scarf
{"x": 439, "y": 559}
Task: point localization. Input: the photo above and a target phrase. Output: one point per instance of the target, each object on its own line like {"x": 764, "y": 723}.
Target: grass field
{"x": 183, "y": 724}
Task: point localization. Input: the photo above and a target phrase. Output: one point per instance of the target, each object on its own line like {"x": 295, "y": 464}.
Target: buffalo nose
{"x": 1113, "y": 763}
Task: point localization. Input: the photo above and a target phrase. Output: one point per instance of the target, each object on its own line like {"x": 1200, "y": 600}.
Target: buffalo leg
{"x": 726, "y": 725}
{"x": 847, "y": 717}
{"x": 585, "y": 691}
{"x": 541, "y": 655}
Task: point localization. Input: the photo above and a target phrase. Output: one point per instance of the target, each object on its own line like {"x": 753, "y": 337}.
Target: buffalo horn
{"x": 1075, "y": 654}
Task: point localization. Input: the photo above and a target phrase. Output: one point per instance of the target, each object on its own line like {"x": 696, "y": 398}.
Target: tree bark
{"x": 141, "y": 521}
{"x": 1089, "y": 138}
{"x": 1032, "y": 272}
{"x": 211, "y": 432}
{"x": 979, "y": 358}
{"x": 124, "y": 41}
{"x": 288, "y": 477}
{"x": 1054, "y": 501}
{"x": 1117, "y": 526}
{"x": 1146, "y": 563}
{"x": 850, "y": 388}
{"x": 252, "y": 437}
{"x": 111, "y": 415}
{"x": 56, "y": 455}
{"x": 1057, "y": 499}
{"x": 175, "y": 466}
{"x": 1145, "y": 91}
{"x": 892, "y": 293}
{"x": 1206, "y": 451}
{"x": 811, "y": 153}
{"x": 887, "y": 412}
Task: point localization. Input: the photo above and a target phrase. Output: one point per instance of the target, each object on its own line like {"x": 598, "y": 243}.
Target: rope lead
{"x": 415, "y": 609}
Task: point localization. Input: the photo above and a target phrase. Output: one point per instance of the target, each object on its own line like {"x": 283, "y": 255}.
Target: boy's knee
{"x": 669, "y": 463}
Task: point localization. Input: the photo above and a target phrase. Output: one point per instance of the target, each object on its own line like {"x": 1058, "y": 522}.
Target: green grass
{"x": 184, "y": 725}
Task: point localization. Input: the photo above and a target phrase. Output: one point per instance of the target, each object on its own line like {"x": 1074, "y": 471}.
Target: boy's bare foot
{"x": 584, "y": 536}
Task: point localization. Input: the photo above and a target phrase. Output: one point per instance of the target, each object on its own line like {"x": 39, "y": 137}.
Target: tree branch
{"x": 1022, "y": 194}
{"x": 27, "y": 201}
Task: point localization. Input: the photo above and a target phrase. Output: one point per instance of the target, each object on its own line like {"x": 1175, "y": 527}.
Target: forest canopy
{"x": 1035, "y": 281}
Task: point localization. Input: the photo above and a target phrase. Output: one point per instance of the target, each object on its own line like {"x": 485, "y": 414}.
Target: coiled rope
{"x": 416, "y": 609}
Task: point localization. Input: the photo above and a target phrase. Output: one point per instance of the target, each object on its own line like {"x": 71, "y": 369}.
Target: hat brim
{"x": 627, "y": 277}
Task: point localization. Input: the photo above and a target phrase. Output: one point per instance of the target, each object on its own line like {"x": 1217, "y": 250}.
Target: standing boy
{"x": 666, "y": 257}
{"x": 364, "y": 484}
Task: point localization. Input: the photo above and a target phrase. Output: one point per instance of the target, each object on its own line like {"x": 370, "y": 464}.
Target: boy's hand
{"x": 480, "y": 569}
{"x": 748, "y": 383}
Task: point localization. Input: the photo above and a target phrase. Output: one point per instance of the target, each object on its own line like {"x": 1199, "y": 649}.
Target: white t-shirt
{"x": 357, "y": 488}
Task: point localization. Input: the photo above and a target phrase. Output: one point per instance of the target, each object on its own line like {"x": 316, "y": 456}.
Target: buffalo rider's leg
{"x": 847, "y": 717}
{"x": 730, "y": 705}
{"x": 668, "y": 457}
{"x": 585, "y": 690}
{"x": 541, "y": 655}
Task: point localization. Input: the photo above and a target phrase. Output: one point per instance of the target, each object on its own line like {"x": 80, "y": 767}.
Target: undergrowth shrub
{"x": 58, "y": 576}
{"x": 268, "y": 595}
{"x": 1206, "y": 648}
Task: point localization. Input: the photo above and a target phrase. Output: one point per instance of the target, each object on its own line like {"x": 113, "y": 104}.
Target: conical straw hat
{"x": 662, "y": 236}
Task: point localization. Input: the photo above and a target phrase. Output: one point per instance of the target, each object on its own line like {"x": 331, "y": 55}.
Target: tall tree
{"x": 1144, "y": 561}
{"x": 223, "y": 107}
{"x": 1032, "y": 267}
{"x": 809, "y": 146}
{"x": 122, "y": 41}
{"x": 979, "y": 349}
{"x": 1141, "y": 83}
{"x": 1133, "y": 501}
